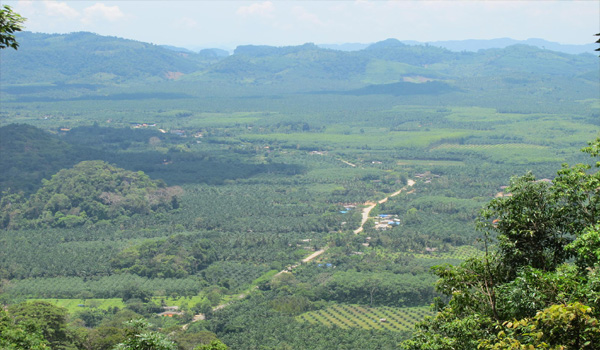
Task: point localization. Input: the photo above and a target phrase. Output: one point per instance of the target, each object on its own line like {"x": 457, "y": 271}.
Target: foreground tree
{"x": 214, "y": 345}
{"x": 562, "y": 326}
{"x": 48, "y": 321}
{"x": 10, "y": 22}
{"x": 19, "y": 336}
{"x": 524, "y": 293}
{"x": 140, "y": 337}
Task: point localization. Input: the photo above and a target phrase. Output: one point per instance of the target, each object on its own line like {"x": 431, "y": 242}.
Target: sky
{"x": 196, "y": 24}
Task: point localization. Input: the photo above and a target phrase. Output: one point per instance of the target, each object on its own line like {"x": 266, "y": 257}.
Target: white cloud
{"x": 364, "y": 4}
{"x": 263, "y": 9}
{"x": 186, "y": 23}
{"x": 28, "y": 4}
{"x": 303, "y": 15}
{"x": 28, "y": 8}
{"x": 102, "y": 12}
{"x": 55, "y": 8}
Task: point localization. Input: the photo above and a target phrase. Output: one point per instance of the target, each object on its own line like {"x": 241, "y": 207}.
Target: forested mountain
{"x": 84, "y": 61}
{"x": 476, "y": 45}
{"x": 86, "y": 58}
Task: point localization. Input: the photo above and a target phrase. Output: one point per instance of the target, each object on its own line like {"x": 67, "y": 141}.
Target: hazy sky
{"x": 226, "y": 24}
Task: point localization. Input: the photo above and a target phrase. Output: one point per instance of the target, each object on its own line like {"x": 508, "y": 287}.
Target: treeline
{"x": 53, "y": 254}
{"x": 376, "y": 288}
{"x": 125, "y": 286}
{"x": 30, "y": 155}
{"x": 40, "y": 325}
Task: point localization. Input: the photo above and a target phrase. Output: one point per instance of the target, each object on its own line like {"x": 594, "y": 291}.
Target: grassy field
{"x": 358, "y": 316}
{"x": 72, "y": 305}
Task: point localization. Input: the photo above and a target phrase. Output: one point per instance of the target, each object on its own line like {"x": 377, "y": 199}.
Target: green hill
{"x": 304, "y": 66}
{"x": 89, "y": 192}
{"x": 91, "y": 58}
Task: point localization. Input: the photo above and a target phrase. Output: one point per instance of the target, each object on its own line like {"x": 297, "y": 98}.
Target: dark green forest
{"x": 396, "y": 197}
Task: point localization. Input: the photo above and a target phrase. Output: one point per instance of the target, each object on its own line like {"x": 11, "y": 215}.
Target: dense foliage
{"x": 524, "y": 294}
{"x": 10, "y": 22}
{"x": 18, "y": 336}
{"x": 89, "y": 192}
{"x": 46, "y": 319}
{"x": 139, "y": 337}
{"x": 95, "y": 59}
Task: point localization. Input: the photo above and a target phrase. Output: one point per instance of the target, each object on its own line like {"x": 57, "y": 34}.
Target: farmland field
{"x": 357, "y": 316}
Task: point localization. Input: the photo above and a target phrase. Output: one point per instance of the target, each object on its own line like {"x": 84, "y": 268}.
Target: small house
{"x": 170, "y": 313}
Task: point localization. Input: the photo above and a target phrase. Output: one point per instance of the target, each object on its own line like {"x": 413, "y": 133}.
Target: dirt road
{"x": 365, "y": 216}
{"x": 352, "y": 165}
{"x": 370, "y": 205}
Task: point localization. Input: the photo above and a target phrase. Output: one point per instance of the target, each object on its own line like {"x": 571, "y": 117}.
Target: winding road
{"x": 370, "y": 205}
{"x": 365, "y": 216}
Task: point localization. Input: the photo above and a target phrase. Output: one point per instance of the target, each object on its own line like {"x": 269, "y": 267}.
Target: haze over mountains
{"x": 479, "y": 44}
{"x": 86, "y": 58}
{"x": 453, "y": 45}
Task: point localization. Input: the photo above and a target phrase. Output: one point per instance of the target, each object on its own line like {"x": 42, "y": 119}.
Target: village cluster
{"x": 386, "y": 221}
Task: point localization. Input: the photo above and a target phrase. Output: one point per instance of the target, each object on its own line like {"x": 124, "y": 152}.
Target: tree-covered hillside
{"x": 88, "y": 59}
{"x": 82, "y": 64}
{"x": 90, "y": 192}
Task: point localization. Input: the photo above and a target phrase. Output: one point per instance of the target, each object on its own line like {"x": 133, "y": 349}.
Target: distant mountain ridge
{"x": 92, "y": 58}
{"x": 78, "y": 65}
{"x": 210, "y": 52}
{"x": 479, "y": 44}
